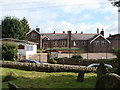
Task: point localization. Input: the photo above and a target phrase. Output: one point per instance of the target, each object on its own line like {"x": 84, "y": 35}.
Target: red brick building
{"x": 89, "y": 42}
{"x": 115, "y": 40}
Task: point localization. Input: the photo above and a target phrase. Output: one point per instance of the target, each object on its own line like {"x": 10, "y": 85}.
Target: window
{"x": 62, "y": 43}
{"x": 84, "y": 43}
{"x": 33, "y": 36}
{"x": 103, "y": 42}
{"x": 30, "y": 48}
{"x": 96, "y": 42}
{"x": 75, "y": 43}
{"x": 55, "y": 43}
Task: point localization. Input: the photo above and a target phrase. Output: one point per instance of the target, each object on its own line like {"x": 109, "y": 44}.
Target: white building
{"x": 25, "y": 48}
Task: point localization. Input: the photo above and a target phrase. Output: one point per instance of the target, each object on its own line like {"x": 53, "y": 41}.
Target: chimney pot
{"x": 97, "y": 30}
{"x": 81, "y": 32}
{"x": 38, "y": 29}
{"x": 102, "y": 32}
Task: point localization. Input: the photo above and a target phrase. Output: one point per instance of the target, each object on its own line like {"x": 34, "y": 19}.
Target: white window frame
{"x": 29, "y": 48}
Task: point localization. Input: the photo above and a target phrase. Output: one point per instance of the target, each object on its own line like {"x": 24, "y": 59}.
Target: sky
{"x": 64, "y": 15}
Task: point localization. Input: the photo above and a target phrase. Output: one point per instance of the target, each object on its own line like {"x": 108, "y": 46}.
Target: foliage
{"x": 117, "y": 52}
{"x": 12, "y": 27}
{"x": 53, "y": 61}
{"x": 9, "y": 51}
{"x": 77, "y": 56}
{"x": 32, "y": 79}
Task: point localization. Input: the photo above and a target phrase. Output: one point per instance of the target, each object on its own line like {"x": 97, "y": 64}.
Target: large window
{"x": 103, "y": 42}
{"x": 29, "y": 48}
{"x": 97, "y": 42}
{"x": 62, "y": 43}
{"x": 33, "y": 36}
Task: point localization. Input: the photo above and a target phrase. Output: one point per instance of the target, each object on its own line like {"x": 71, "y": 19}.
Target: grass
{"x": 33, "y": 79}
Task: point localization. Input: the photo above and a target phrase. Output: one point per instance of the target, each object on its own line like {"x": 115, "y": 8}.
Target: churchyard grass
{"x": 33, "y": 79}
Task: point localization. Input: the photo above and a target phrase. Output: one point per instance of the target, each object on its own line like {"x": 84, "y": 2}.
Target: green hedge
{"x": 9, "y": 51}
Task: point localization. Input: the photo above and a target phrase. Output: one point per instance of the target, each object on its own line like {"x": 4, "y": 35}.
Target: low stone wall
{"x": 47, "y": 67}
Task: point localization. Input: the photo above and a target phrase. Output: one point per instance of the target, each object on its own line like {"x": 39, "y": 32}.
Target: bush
{"x": 9, "y": 51}
{"x": 53, "y": 61}
{"x": 117, "y": 52}
{"x": 76, "y": 56}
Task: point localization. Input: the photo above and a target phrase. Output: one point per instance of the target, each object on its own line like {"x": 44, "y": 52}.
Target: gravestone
{"x": 12, "y": 86}
{"x": 101, "y": 70}
{"x": 107, "y": 81}
{"x": 80, "y": 77}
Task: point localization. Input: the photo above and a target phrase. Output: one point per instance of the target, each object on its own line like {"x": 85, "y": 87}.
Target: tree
{"x": 14, "y": 28}
{"x": 25, "y": 26}
{"x": 9, "y": 51}
{"x": 117, "y": 51}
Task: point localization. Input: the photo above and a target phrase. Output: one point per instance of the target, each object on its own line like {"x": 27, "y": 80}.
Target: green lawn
{"x": 33, "y": 79}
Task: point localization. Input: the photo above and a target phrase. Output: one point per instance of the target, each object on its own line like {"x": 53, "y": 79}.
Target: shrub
{"x": 77, "y": 56}
{"x": 117, "y": 52}
{"x": 9, "y": 51}
{"x": 53, "y": 61}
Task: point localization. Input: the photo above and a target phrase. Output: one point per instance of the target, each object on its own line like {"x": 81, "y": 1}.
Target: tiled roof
{"x": 78, "y": 36}
{"x": 83, "y": 36}
{"x": 57, "y": 36}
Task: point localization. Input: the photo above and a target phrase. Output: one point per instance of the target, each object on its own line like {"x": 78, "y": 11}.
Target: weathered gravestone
{"x": 12, "y": 86}
{"x": 101, "y": 70}
{"x": 107, "y": 81}
{"x": 80, "y": 77}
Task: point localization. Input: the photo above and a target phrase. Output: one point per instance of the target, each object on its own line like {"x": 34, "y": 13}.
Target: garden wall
{"x": 46, "y": 67}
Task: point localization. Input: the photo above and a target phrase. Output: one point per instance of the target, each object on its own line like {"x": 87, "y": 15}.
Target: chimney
{"x": 38, "y": 29}
{"x": 110, "y": 35}
{"x": 54, "y": 32}
{"x": 97, "y": 30}
{"x": 63, "y": 31}
{"x": 102, "y": 32}
{"x": 81, "y": 32}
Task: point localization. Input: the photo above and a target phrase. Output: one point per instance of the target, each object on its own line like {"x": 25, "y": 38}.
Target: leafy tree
{"x": 9, "y": 51}
{"x": 25, "y": 26}
{"x": 117, "y": 51}
{"x": 14, "y": 28}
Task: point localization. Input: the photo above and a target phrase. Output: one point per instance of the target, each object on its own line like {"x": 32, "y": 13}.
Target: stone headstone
{"x": 12, "y": 86}
{"x": 80, "y": 77}
{"x": 101, "y": 70}
{"x": 107, "y": 81}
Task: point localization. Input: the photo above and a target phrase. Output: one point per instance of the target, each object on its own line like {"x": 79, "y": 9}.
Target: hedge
{"x": 47, "y": 67}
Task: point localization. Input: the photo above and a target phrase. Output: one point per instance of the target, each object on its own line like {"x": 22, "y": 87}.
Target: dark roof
{"x": 112, "y": 36}
{"x": 75, "y": 36}
{"x": 57, "y": 36}
{"x": 83, "y": 36}
{"x": 17, "y": 40}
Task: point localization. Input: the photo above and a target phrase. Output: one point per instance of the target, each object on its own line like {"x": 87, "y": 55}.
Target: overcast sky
{"x": 64, "y": 15}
